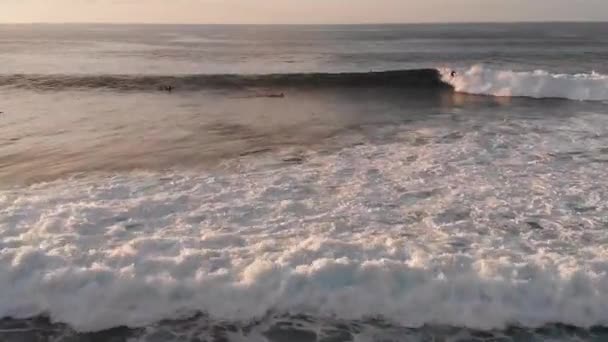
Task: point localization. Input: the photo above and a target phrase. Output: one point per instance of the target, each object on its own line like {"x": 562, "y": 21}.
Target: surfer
{"x": 453, "y": 73}
{"x": 166, "y": 88}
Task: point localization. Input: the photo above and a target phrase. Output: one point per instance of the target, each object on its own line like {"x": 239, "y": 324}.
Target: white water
{"x": 418, "y": 234}
{"x": 538, "y": 84}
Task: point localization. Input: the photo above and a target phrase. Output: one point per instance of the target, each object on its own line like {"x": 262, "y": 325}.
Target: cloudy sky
{"x": 299, "y": 11}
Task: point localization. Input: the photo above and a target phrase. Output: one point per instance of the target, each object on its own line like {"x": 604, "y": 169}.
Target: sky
{"x": 300, "y": 11}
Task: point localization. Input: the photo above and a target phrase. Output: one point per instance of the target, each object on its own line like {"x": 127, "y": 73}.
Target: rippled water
{"x": 195, "y": 49}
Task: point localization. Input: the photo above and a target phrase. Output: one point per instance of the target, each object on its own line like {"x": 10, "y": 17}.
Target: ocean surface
{"x": 304, "y": 183}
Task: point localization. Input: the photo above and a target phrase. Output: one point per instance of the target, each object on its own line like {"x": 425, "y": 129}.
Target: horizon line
{"x": 566, "y": 21}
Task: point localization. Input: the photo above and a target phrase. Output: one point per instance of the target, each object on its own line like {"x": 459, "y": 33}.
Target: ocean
{"x": 431, "y": 182}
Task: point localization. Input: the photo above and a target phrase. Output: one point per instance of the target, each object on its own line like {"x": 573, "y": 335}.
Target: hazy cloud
{"x": 299, "y": 11}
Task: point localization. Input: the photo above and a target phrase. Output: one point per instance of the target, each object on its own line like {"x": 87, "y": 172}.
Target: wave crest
{"x": 537, "y": 84}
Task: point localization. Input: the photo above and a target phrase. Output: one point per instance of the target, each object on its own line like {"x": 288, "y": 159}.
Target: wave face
{"x": 430, "y": 78}
{"x": 536, "y": 84}
{"x": 475, "y": 80}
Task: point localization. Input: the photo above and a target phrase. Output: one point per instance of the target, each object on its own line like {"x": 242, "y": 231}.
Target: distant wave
{"x": 536, "y": 84}
{"x": 397, "y": 78}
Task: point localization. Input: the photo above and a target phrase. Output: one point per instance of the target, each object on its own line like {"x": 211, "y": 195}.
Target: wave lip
{"x": 536, "y": 84}
{"x": 427, "y": 78}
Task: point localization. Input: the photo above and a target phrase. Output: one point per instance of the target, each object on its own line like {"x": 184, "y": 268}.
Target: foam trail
{"x": 538, "y": 84}
{"x": 136, "y": 249}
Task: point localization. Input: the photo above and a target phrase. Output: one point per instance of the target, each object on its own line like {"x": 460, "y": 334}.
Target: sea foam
{"x": 436, "y": 239}
{"x": 538, "y": 84}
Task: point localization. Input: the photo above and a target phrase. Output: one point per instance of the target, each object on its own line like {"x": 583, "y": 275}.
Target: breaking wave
{"x": 537, "y": 84}
{"x": 477, "y": 80}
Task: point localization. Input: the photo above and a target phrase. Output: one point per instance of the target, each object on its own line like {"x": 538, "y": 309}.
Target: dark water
{"x": 300, "y": 329}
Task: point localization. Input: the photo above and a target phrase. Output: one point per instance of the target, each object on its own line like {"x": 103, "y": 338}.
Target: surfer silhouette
{"x": 453, "y": 74}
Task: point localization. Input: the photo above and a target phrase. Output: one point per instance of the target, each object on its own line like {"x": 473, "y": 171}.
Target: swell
{"x": 477, "y": 80}
{"x": 428, "y": 78}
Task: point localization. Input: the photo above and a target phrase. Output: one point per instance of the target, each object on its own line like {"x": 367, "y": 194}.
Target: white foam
{"x": 417, "y": 234}
{"x": 538, "y": 84}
